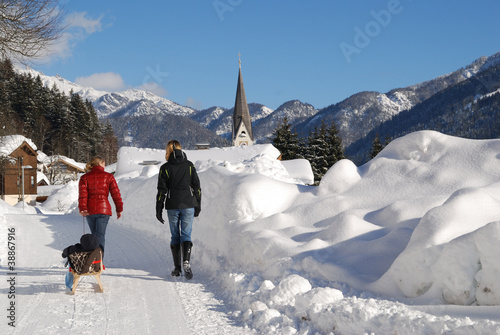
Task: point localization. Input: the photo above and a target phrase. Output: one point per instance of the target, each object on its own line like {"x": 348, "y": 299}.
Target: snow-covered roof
{"x": 42, "y": 157}
{"x": 49, "y": 160}
{"x": 9, "y": 143}
{"x": 41, "y": 176}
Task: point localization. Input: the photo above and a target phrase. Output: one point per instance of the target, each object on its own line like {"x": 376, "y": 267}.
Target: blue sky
{"x": 319, "y": 52}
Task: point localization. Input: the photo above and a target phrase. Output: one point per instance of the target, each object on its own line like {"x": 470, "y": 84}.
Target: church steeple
{"x": 242, "y": 123}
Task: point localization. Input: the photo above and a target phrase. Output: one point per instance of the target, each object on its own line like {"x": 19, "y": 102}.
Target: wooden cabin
{"x": 18, "y": 169}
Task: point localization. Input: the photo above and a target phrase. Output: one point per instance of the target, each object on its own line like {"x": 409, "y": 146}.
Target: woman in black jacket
{"x": 179, "y": 192}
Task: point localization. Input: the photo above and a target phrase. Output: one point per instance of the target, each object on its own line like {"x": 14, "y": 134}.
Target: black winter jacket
{"x": 178, "y": 183}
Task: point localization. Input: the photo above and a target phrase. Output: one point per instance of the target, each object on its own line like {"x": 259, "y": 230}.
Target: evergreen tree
{"x": 58, "y": 117}
{"x": 8, "y": 119}
{"x": 286, "y": 141}
{"x": 95, "y": 132}
{"x": 324, "y": 148}
{"x": 377, "y": 146}
{"x": 109, "y": 146}
{"x": 80, "y": 121}
{"x": 335, "y": 149}
{"x": 316, "y": 152}
{"x": 41, "y": 100}
{"x": 387, "y": 140}
{"x": 57, "y": 124}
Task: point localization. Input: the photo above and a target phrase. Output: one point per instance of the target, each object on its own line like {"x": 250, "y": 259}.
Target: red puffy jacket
{"x": 94, "y": 189}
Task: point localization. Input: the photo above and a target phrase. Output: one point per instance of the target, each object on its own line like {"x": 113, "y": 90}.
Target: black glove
{"x": 159, "y": 211}
{"x": 197, "y": 211}
{"x": 160, "y": 218}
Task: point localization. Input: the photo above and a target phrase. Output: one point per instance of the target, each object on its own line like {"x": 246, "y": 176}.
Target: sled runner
{"x": 86, "y": 263}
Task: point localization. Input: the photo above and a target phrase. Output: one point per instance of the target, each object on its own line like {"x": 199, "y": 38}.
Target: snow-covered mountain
{"x": 63, "y": 85}
{"x": 136, "y": 102}
{"x": 131, "y": 106}
{"x": 357, "y": 115}
{"x": 219, "y": 119}
{"x": 295, "y": 111}
{"x": 131, "y": 102}
{"x": 469, "y": 108}
{"x": 264, "y": 119}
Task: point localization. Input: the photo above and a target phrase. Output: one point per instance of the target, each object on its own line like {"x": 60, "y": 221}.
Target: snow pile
{"x": 10, "y": 143}
{"x": 256, "y": 159}
{"x": 63, "y": 199}
{"x": 420, "y": 223}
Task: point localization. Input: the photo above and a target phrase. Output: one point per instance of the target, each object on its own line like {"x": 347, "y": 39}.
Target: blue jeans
{"x": 98, "y": 224}
{"x": 181, "y": 224}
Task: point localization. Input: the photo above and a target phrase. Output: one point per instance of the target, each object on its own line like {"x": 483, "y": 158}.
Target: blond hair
{"x": 96, "y": 160}
{"x": 170, "y": 147}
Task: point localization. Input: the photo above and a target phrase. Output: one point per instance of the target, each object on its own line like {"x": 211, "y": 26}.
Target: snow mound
{"x": 339, "y": 178}
{"x": 419, "y": 223}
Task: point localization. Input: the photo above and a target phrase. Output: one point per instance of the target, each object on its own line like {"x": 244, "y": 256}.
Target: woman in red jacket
{"x": 94, "y": 189}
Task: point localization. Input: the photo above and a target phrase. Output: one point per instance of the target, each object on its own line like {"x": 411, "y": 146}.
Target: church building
{"x": 242, "y": 123}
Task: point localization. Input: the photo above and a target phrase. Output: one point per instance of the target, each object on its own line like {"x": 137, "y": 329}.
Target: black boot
{"x": 186, "y": 254}
{"x": 176, "y": 255}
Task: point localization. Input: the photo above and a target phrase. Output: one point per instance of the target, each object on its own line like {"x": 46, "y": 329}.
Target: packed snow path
{"x": 140, "y": 296}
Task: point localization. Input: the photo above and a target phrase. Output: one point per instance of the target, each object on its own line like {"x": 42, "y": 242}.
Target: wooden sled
{"x": 86, "y": 264}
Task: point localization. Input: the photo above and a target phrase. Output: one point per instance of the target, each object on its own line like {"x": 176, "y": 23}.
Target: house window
{"x": 32, "y": 181}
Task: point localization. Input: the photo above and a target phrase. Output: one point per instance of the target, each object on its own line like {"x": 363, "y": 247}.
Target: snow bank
{"x": 420, "y": 223}
{"x": 64, "y": 199}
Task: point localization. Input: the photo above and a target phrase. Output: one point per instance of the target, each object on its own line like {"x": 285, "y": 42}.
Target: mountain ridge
{"x": 356, "y": 116}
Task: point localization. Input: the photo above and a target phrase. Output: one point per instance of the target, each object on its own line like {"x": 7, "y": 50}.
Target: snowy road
{"x": 140, "y": 296}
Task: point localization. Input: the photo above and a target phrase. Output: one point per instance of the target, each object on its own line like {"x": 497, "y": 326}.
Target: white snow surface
{"x": 405, "y": 244}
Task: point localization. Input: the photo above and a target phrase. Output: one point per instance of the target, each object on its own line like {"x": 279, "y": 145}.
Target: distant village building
{"x": 54, "y": 172}
{"x": 242, "y": 123}
{"x": 202, "y": 146}
{"x": 22, "y": 164}
{"x": 18, "y": 169}
{"x": 61, "y": 169}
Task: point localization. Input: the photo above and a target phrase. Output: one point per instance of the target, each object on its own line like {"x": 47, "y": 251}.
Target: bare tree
{"x": 28, "y": 27}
